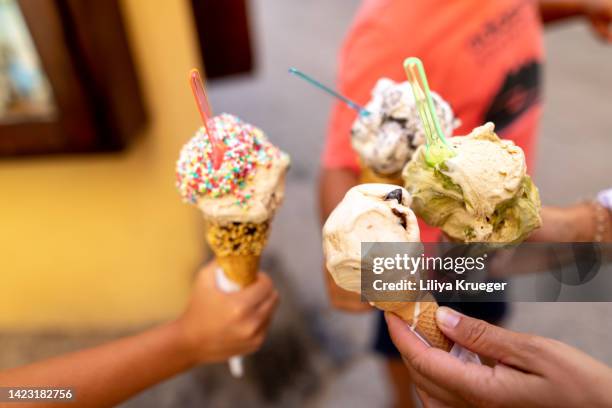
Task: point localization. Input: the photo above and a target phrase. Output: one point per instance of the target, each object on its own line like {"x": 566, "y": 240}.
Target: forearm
{"x": 333, "y": 185}
{"x": 556, "y": 10}
{"x": 570, "y": 224}
{"x": 106, "y": 375}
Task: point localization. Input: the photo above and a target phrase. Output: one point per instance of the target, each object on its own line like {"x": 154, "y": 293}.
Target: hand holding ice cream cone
{"x": 236, "y": 177}
{"x": 564, "y": 376}
{"x": 217, "y": 325}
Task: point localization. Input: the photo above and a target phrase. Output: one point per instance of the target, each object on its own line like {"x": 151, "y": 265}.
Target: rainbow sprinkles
{"x": 247, "y": 150}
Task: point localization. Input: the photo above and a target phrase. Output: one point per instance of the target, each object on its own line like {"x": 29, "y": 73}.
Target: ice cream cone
{"x": 368, "y": 175}
{"x": 238, "y": 246}
{"x": 421, "y": 316}
{"x": 236, "y": 177}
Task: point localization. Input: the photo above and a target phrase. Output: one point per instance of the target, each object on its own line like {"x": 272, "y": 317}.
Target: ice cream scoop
{"x": 376, "y": 213}
{"x": 482, "y": 194}
{"x": 368, "y": 213}
{"x": 387, "y": 138}
{"x": 249, "y": 184}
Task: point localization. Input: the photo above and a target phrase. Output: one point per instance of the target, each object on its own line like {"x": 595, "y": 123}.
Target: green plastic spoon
{"x": 438, "y": 149}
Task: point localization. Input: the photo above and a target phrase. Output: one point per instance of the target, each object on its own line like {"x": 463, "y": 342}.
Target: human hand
{"x": 342, "y": 299}
{"x": 218, "y": 325}
{"x": 530, "y": 370}
{"x": 599, "y": 12}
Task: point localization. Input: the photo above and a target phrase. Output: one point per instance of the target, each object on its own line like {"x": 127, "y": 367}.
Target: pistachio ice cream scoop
{"x": 482, "y": 194}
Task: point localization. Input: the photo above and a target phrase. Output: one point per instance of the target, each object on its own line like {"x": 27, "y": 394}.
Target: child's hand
{"x": 218, "y": 325}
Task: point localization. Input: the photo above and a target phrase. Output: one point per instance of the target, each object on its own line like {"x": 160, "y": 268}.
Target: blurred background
{"x": 96, "y": 243}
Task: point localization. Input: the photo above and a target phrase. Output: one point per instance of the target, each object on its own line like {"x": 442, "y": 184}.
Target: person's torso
{"x": 484, "y": 57}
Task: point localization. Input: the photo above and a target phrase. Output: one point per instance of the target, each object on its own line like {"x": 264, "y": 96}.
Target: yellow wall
{"x": 104, "y": 241}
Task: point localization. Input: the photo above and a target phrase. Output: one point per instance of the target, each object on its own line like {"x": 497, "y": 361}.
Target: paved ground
{"x": 317, "y": 357}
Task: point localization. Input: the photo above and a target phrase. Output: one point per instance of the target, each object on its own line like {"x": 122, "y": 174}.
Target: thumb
{"x": 508, "y": 347}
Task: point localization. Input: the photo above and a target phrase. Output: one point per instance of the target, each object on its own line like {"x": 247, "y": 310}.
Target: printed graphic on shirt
{"x": 519, "y": 92}
{"x": 500, "y": 31}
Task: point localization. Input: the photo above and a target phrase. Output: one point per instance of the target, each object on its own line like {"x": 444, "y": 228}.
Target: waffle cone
{"x": 425, "y": 318}
{"x": 237, "y": 247}
{"x": 368, "y": 175}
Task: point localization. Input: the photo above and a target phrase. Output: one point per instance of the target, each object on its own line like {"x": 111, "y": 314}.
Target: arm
{"x": 214, "y": 327}
{"x": 555, "y": 10}
{"x": 578, "y": 223}
{"x": 362, "y": 63}
{"x": 104, "y": 376}
{"x": 333, "y": 184}
{"x": 587, "y": 222}
{"x": 530, "y": 371}
{"x": 598, "y": 12}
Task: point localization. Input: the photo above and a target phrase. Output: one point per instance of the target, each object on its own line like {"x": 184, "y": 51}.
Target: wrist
{"x": 593, "y": 222}
{"x": 183, "y": 341}
{"x": 582, "y": 223}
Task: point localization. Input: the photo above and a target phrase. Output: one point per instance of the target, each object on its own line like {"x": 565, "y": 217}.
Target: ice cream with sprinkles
{"x": 249, "y": 184}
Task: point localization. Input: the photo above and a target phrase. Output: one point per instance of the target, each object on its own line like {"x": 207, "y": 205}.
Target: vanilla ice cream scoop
{"x": 387, "y": 138}
{"x": 482, "y": 194}
{"x": 368, "y": 213}
{"x": 247, "y": 187}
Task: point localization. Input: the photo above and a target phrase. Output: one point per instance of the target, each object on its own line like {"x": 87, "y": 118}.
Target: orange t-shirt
{"x": 483, "y": 57}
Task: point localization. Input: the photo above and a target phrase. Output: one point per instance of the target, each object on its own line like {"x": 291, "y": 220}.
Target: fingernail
{"x": 447, "y": 317}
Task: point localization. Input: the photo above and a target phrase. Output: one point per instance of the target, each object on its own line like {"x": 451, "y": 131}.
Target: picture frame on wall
{"x": 67, "y": 78}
